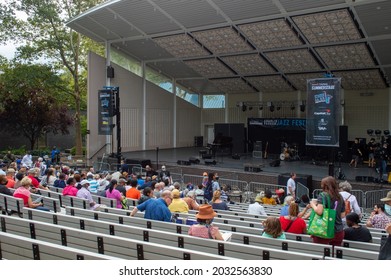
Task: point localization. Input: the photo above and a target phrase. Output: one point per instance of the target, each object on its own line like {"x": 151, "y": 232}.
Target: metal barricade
{"x": 257, "y": 187}
{"x": 194, "y": 179}
{"x": 373, "y": 197}
{"x": 301, "y": 190}
{"x": 177, "y": 178}
{"x": 115, "y": 167}
{"x": 101, "y": 166}
{"x": 238, "y": 191}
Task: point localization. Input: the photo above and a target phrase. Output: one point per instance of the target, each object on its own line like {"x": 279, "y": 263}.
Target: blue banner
{"x": 291, "y": 124}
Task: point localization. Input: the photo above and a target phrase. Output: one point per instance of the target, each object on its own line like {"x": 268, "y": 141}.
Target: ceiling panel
{"x": 382, "y": 49}
{"x": 143, "y": 49}
{"x": 375, "y": 18}
{"x": 270, "y": 83}
{"x": 387, "y": 71}
{"x": 233, "y": 85}
{"x": 200, "y": 85}
{"x": 354, "y": 56}
{"x": 222, "y": 41}
{"x": 191, "y": 13}
{"x": 210, "y": 68}
{"x": 181, "y": 45}
{"x": 294, "y": 61}
{"x": 363, "y": 79}
{"x": 175, "y": 69}
{"x": 271, "y": 34}
{"x": 252, "y": 64}
{"x": 333, "y": 26}
{"x": 297, "y": 5}
{"x": 235, "y": 9}
{"x": 299, "y": 81}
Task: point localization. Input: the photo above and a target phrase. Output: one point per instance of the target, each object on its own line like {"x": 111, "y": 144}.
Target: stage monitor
{"x": 323, "y": 112}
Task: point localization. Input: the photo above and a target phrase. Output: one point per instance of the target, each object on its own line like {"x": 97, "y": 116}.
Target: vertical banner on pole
{"x": 105, "y": 115}
{"x": 323, "y": 112}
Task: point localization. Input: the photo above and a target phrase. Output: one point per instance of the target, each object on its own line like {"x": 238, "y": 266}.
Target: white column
{"x": 174, "y": 117}
{"x": 144, "y": 107}
{"x": 108, "y": 83}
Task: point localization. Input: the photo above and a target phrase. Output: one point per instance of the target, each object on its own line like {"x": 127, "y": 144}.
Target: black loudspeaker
{"x": 183, "y": 162}
{"x": 194, "y": 160}
{"x": 210, "y": 162}
{"x": 275, "y": 163}
{"x": 110, "y": 72}
{"x": 236, "y": 156}
{"x": 206, "y": 156}
{"x": 252, "y": 168}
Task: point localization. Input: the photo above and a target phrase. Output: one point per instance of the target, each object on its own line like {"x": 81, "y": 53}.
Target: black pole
{"x": 157, "y": 158}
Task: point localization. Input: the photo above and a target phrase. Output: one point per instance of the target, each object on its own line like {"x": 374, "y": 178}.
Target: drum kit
{"x": 289, "y": 152}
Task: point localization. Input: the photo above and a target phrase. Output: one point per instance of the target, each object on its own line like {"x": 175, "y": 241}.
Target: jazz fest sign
{"x": 323, "y": 112}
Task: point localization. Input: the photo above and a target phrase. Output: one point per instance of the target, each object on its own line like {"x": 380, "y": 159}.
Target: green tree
{"x": 45, "y": 35}
{"x": 28, "y": 103}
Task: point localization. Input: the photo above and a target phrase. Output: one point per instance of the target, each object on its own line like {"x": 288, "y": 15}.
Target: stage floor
{"x": 318, "y": 169}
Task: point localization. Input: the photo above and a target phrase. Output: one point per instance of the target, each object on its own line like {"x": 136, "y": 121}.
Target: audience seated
{"x": 23, "y": 192}
{"x": 356, "y": 232}
{"x": 285, "y": 209}
{"x": 292, "y": 223}
{"x": 272, "y": 228}
{"x": 268, "y": 199}
{"x": 204, "y": 228}
{"x": 378, "y": 218}
{"x": 70, "y": 188}
{"x": 133, "y": 192}
{"x": 3, "y": 183}
{"x": 112, "y": 192}
{"x": 178, "y": 205}
{"x": 256, "y": 208}
{"x": 156, "y": 209}
{"x": 85, "y": 193}
{"x": 191, "y": 201}
{"x": 217, "y": 203}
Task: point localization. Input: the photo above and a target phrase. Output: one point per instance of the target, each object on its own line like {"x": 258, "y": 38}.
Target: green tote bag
{"x": 323, "y": 225}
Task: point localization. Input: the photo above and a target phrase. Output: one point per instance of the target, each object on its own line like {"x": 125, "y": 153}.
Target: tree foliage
{"x": 44, "y": 35}
{"x": 28, "y": 103}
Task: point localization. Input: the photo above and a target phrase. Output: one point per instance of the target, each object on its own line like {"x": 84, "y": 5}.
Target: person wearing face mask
{"x": 385, "y": 247}
{"x": 378, "y": 218}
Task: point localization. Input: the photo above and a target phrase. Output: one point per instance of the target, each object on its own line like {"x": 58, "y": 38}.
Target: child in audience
{"x": 272, "y": 228}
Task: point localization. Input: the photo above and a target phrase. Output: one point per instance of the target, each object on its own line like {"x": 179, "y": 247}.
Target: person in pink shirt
{"x": 70, "y": 188}
{"x": 113, "y": 193}
{"x": 204, "y": 228}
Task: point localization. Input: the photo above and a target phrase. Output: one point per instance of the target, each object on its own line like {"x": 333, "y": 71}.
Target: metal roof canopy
{"x": 243, "y": 46}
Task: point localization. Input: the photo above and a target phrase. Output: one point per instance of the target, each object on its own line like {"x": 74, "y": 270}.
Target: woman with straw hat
{"x": 204, "y": 228}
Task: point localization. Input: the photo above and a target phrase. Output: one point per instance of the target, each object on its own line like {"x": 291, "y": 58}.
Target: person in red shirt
{"x": 32, "y": 173}
{"x": 11, "y": 178}
{"x": 292, "y": 223}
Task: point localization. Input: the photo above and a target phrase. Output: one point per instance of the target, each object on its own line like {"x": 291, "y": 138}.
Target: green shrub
{"x": 73, "y": 151}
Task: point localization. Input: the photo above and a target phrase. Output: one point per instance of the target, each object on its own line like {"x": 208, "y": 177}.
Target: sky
{"x": 8, "y": 49}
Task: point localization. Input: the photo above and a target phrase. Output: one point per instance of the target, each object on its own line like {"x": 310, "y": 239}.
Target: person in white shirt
{"x": 27, "y": 160}
{"x": 256, "y": 208}
{"x": 291, "y": 185}
{"x": 345, "y": 189}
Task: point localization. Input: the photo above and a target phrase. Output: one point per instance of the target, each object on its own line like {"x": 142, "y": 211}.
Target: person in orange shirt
{"x": 133, "y": 192}
{"x": 11, "y": 178}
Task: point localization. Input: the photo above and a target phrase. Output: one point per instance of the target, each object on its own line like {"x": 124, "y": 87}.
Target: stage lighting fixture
{"x": 260, "y": 108}
{"x": 370, "y": 132}
{"x": 386, "y": 132}
{"x": 271, "y": 108}
{"x": 244, "y": 108}
{"x": 250, "y": 108}
{"x": 377, "y": 132}
{"x": 293, "y": 107}
{"x": 302, "y": 107}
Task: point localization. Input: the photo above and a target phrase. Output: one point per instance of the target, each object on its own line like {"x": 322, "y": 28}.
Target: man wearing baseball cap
{"x": 85, "y": 193}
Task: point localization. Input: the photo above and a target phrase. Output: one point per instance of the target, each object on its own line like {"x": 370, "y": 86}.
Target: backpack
{"x": 348, "y": 209}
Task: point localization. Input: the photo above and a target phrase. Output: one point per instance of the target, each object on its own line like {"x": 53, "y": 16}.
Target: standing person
{"x": 329, "y": 187}
{"x": 256, "y": 208}
{"x": 355, "y": 231}
{"x": 345, "y": 189}
{"x": 371, "y": 146}
{"x": 356, "y": 153}
{"x": 291, "y": 185}
{"x": 204, "y": 228}
{"x": 156, "y": 209}
{"x": 54, "y": 154}
{"x": 208, "y": 190}
{"x": 292, "y": 223}
{"x": 215, "y": 182}
{"x": 383, "y": 156}
{"x": 112, "y": 192}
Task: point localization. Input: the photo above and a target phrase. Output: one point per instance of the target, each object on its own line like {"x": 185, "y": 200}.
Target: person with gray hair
{"x": 345, "y": 189}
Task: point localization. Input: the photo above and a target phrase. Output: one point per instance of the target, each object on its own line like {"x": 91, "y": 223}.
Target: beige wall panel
{"x": 159, "y": 128}
{"x": 212, "y": 116}
{"x": 131, "y": 125}
{"x": 188, "y": 123}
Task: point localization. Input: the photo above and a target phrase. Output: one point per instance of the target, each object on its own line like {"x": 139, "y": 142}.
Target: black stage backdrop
{"x": 292, "y": 132}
